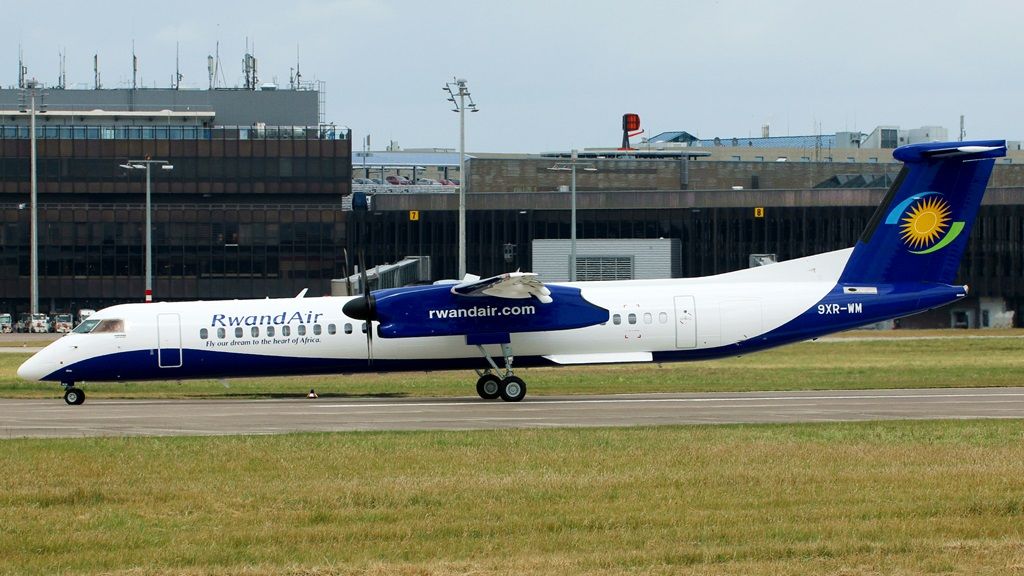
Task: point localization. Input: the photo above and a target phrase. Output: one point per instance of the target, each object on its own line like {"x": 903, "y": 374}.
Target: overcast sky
{"x": 553, "y": 75}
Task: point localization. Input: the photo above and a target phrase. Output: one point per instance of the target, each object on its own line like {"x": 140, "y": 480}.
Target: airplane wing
{"x": 515, "y": 285}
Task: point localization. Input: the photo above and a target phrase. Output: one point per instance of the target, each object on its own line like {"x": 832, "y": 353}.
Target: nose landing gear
{"x": 73, "y": 396}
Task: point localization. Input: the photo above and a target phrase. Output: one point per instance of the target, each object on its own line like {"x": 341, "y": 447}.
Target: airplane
{"x": 904, "y": 262}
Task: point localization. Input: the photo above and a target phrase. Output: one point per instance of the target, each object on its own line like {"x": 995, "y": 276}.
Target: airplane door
{"x": 168, "y": 327}
{"x": 686, "y": 322}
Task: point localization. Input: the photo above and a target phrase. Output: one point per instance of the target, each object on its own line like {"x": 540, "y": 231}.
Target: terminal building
{"x": 251, "y": 208}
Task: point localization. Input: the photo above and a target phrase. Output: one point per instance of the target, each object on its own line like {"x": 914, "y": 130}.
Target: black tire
{"x": 74, "y": 396}
{"x": 513, "y": 389}
{"x": 489, "y": 386}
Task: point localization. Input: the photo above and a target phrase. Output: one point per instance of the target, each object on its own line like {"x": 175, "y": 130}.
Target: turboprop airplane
{"x": 905, "y": 262}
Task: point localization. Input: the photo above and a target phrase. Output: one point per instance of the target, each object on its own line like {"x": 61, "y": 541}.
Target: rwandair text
{"x": 266, "y": 319}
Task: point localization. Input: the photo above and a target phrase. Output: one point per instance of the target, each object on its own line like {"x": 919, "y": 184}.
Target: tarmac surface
{"x": 52, "y": 418}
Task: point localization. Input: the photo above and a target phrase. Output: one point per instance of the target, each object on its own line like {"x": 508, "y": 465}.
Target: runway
{"x": 52, "y": 418}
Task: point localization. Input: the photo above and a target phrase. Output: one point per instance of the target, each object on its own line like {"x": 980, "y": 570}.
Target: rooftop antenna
{"x": 249, "y": 67}
{"x": 96, "y": 72}
{"x": 22, "y": 69}
{"x": 62, "y": 78}
{"x": 214, "y": 69}
{"x": 135, "y": 68}
{"x": 963, "y": 132}
{"x": 298, "y": 71}
{"x": 177, "y": 66}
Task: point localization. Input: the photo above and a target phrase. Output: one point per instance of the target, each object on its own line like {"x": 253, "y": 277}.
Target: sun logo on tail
{"x": 925, "y": 223}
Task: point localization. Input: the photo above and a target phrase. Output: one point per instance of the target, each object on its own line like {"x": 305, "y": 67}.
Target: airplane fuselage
{"x": 647, "y": 320}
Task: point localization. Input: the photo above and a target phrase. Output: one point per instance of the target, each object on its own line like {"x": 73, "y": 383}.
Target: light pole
{"x": 571, "y": 167}
{"x": 457, "y": 87}
{"x": 147, "y": 165}
{"x": 33, "y": 192}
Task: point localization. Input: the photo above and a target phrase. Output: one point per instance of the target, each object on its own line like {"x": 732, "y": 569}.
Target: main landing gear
{"x": 509, "y": 388}
{"x": 73, "y": 396}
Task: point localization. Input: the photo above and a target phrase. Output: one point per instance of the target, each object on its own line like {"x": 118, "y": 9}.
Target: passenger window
{"x": 270, "y": 331}
{"x": 255, "y": 332}
{"x": 616, "y": 319}
{"x": 632, "y": 318}
{"x": 238, "y": 332}
{"x": 648, "y": 318}
{"x": 286, "y": 330}
{"x": 663, "y": 317}
{"x": 331, "y": 329}
{"x": 348, "y": 328}
{"x": 109, "y": 326}
{"x": 317, "y": 330}
{"x": 204, "y": 333}
{"x": 302, "y": 329}
{"x": 221, "y": 333}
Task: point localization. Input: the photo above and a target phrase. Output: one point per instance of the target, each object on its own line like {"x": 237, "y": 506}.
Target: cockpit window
{"x": 85, "y": 327}
{"x": 109, "y": 326}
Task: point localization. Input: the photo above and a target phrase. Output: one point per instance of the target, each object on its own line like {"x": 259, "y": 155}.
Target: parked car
{"x": 427, "y": 182}
{"x": 446, "y": 182}
{"x": 398, "y": 181}
{"x": 63, "y": 323}
{"x": 40, "y": 324}
{"x": 362, "y": 181}
{"x": 6, "y": 324}
{"x": 455, "y": 181}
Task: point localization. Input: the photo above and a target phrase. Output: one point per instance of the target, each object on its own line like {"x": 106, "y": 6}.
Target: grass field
{"x": 854, "y": 361}
{"x": 851, "y": 499}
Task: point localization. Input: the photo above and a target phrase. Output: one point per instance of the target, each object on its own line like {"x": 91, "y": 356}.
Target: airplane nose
{"x": 31, "y": 369}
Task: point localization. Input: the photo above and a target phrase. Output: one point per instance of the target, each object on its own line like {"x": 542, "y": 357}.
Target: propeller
{"x": 363, "y": 308}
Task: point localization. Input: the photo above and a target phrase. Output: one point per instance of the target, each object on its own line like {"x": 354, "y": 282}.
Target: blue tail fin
{"x": 920, "y": 230}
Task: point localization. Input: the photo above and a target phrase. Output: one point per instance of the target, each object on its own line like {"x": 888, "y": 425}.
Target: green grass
{"x": 848, "y": 363}
{"x": 852, "y": 499}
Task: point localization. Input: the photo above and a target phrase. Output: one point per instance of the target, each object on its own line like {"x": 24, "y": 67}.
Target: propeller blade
{"x": 369, "y": 306}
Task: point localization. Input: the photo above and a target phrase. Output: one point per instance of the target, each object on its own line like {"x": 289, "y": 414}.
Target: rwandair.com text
{"x": 482, "y": 312}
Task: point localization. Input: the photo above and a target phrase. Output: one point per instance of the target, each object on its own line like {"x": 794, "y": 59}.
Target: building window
{"x": 889, "y": 138}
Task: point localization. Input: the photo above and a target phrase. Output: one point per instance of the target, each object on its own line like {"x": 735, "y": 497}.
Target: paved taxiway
{"x": 52, "y": 418}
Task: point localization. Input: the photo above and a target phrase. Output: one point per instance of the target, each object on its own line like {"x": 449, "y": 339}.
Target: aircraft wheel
{"x": 488, "y": 386}
{"x": 513, "y": 389}
{"x": 74, "y": 396}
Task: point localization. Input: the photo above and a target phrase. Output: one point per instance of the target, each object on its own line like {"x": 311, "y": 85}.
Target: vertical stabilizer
{"x": 920, "y": 230}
